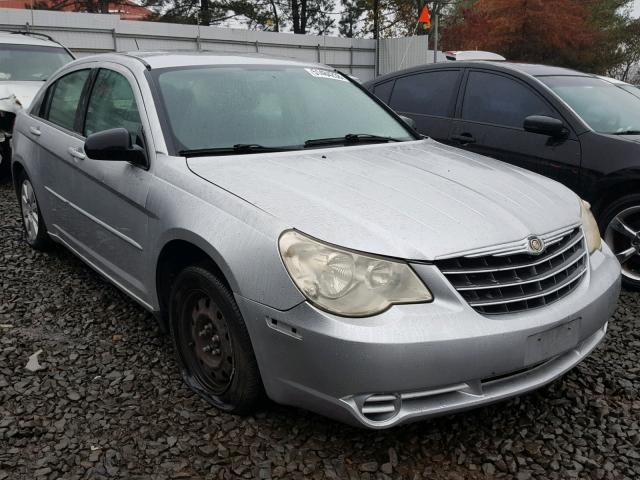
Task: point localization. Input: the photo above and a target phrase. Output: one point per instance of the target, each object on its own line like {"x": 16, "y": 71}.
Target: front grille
{"x": 512, "y": 281}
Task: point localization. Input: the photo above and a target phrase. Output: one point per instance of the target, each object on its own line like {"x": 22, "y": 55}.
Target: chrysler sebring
{"x": 300, "y": 241}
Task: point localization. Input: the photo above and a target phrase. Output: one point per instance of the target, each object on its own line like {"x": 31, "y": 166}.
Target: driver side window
{"x": 112, "y": 104}
{"x": 498, "y": 100}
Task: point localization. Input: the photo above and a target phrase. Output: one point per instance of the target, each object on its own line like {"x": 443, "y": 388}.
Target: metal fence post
{"x": 257, "y": 46}
{"x": 351, "y": 59}
{"x": 115, "y": 39}
{"x": 319, "y": 59}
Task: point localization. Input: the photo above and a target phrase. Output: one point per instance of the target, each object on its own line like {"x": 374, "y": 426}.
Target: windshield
{"x": 269, "y": 106}
{"x": 30, "y": 63}
{"x": 605, "y": 107}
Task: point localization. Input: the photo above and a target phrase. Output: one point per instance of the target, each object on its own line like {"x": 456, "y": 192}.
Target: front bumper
{"x": 417, "y": 361}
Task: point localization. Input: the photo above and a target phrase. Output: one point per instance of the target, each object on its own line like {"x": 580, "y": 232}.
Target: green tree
{"x": 350, "y": 22}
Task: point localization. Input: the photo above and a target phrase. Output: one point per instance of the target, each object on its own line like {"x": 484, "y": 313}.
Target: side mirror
{"x": 409, "y": 121}
{"x": 545, "y": 126}
{"x": 114, "y": 145}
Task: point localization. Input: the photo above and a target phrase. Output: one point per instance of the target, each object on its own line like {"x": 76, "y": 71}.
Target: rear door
{"x": 60, "y": 143}
{"x": 428, "y": 98}
{"x": 490, "y": 122}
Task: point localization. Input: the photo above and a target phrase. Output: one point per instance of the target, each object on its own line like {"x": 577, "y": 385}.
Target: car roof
{"x": 19, "y": 38}
{"x": 532, "y": 69}
{"x": 615, "y": 81}
{"x": 168, "y": 59}
{"x": 538, "y": 70}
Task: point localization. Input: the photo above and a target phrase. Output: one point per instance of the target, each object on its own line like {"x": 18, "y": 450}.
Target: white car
{"x": 473, "y": 55}
{"x": 26, "y": 61}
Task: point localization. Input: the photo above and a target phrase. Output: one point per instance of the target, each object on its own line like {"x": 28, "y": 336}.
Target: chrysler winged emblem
{"x": 536, "y": 245}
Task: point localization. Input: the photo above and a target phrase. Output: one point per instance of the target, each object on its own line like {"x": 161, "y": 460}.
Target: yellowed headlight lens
{"x": 590, "y": 228}
{"x": 348, "y": 283}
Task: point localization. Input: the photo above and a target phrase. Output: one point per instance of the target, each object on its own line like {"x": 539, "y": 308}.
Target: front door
{"x": 114, "y": 193}
{"x": 491, "y": 120}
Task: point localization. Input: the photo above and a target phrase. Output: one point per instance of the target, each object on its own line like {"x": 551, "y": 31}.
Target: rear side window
{"x": 429, "y": 93}
{"x": 64, "y": 99}
{"x": 500, "y": 100}
{"x": 383, "y": 91}
{"x": 112, "y": 104}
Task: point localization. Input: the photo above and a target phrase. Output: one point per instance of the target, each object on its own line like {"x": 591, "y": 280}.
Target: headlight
{"x": 347, "y": 283}
{"x": 590, "y": 227}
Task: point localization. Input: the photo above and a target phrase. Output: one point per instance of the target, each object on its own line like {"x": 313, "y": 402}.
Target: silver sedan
{"x": 300, "y": 241}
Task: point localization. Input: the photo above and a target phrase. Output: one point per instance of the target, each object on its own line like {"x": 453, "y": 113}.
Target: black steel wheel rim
{"x": 205, "y": 342}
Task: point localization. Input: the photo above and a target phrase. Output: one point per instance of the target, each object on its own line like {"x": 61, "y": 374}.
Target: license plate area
{"x": 544, "y": 345}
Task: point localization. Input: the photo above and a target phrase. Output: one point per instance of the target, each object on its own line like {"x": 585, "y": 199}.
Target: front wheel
{"x": 621, "y": 227}
{"x": 212, "y": 343}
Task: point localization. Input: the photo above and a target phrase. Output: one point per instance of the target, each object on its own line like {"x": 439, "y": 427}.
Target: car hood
{"x": 417, "y": 200}
{"x": 23, "y": 91}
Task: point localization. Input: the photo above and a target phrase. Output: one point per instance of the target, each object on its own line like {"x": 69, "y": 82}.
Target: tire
{"x": 35, "y": 230}
{"x": 5, "y": 162}
{"x": 212, "y": 343}
{"x": 620, "y": 227}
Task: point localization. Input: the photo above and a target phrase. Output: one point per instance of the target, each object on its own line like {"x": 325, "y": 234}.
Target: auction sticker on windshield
{"x": 320, "y": 73}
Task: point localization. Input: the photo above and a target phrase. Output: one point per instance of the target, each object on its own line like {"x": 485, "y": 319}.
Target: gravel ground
{"x": 108, "y": 401}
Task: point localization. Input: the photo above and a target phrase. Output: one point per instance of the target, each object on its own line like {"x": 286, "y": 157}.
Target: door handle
{"x": 75, "y": 153}
{"x": 35, "y": 131}
{"x": 464, "y": 138}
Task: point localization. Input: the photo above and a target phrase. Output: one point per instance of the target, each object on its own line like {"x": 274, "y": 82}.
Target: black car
{"x": 576, "y": 128}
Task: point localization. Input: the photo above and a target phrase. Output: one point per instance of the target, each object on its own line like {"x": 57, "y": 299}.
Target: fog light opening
{"x": 381, "y": 407}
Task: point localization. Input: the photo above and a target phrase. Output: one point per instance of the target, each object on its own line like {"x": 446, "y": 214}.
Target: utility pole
{"x": 435, "y": 38}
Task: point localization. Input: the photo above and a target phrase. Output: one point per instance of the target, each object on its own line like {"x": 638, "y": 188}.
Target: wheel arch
{"x": 178, "y": 253}
{"x": 16, "y": 169}
{"x": 612, "y": 191}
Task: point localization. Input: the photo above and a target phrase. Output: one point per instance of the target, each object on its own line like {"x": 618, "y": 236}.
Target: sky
{"x": 636, "y": 8}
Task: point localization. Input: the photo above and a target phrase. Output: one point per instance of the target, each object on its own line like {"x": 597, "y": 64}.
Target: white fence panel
{"x": 400, "y": 53}
{"x": 87, "y": 33}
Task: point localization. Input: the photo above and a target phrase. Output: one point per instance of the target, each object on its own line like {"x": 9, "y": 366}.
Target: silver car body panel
{"x": 331, "y": 364}
{"x": 418, "y": 201}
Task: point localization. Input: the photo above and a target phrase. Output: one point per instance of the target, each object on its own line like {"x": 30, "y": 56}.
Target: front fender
{"x": 241, "y": 239}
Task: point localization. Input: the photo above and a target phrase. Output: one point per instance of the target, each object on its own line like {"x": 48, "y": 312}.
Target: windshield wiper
{"x": 350, "y": 138}
{"x": 627, "y": 132}
{"x": 237, "y": 149}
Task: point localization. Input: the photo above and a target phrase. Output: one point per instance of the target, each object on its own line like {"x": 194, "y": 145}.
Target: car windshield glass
{"x": 30, "y": 63}
{"x": 270, "y": 106}
{"x": 605, "y": 107}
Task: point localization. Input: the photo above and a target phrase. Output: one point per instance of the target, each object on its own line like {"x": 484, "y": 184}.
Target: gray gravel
{"x": 108, "y": 401}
